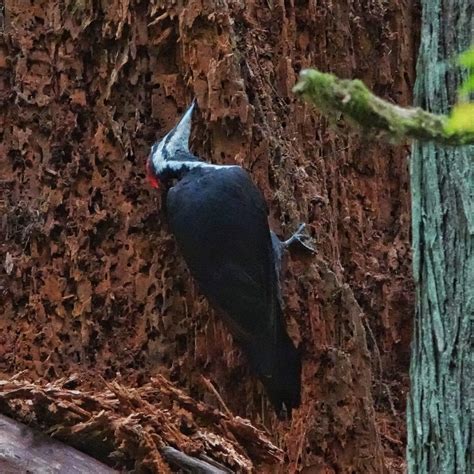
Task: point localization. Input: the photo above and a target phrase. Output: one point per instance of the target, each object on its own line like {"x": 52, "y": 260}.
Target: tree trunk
{"x": 91, "y": 279}
{"x": 439, "y": 417}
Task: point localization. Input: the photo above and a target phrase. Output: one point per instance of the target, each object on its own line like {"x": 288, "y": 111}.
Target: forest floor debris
{"x": 131, "y": 428}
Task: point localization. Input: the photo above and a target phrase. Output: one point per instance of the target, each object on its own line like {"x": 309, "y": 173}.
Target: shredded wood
{"x": 129, "y": 428}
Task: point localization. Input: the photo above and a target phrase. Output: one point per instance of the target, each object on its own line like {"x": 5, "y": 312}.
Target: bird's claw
{"x": 299, "y": 238}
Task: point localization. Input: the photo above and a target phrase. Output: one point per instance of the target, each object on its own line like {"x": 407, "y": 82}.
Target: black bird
{"x": 219, "y": 219}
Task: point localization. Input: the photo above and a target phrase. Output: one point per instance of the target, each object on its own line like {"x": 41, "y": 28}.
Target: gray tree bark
{"x": 25, "y": 450}
{"x": 439, "y": 419}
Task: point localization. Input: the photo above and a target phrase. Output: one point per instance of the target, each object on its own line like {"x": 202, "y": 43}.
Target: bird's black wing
{"x": 219, "y": 219}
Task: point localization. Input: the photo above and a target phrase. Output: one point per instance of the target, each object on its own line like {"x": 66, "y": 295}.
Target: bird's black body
{"x": 219, "y": 219}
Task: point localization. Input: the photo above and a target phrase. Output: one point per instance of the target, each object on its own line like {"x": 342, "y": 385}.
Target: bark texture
{"x": 91, "y": 279}
{"x": 439, "y": 415}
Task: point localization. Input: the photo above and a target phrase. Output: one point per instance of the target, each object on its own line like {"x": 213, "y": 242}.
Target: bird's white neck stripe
{"x": 171, "y": 165}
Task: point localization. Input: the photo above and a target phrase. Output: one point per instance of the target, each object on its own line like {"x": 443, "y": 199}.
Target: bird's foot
{"x": 299, "y": 238}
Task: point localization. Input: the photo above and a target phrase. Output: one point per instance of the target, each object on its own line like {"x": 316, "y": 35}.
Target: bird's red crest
{"x": 152, "y": 179}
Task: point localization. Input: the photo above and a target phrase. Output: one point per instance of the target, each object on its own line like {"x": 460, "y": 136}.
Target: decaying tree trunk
{"x": 91, "y": 279}
{"x": 440, "y": 402}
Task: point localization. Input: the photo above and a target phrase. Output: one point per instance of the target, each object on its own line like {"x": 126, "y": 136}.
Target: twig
{"x": 211, "y": 387}
{"x": 391, "y": 440}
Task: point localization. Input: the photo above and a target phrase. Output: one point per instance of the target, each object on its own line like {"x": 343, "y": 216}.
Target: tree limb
{"x": 352, "y": 98}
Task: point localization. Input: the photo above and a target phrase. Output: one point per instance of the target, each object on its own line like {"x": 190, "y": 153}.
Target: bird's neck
{"x": 175, "y": 169}
{"x": 181, "y": 165}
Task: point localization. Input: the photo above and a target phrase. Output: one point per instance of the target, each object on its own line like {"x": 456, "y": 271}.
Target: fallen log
{"x": 23, "y": 449}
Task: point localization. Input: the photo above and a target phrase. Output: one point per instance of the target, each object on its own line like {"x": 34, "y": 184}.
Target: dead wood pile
{"x": 133, "y": 428}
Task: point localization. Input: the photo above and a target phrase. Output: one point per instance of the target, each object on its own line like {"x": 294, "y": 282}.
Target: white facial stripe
{"x": 175, "y": 140}
{"x": 162, "y": 165}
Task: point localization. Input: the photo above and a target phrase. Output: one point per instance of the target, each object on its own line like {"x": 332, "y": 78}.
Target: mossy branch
{"x": 373, "y": 114}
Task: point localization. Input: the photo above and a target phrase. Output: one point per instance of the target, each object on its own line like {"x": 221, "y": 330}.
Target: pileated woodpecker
{"x": 219, "y": 219}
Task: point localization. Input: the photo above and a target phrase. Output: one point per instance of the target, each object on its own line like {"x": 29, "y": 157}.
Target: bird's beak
{"x": 179, "y": 136}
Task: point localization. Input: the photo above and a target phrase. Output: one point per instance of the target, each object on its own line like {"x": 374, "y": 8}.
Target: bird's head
{"x": 169, "y": 155}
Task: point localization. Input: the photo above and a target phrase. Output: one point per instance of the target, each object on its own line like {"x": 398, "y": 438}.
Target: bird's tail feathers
{"x": 284, "y": 385}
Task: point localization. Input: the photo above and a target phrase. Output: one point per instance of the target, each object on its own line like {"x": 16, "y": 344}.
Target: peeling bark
{"x": 439, "y": 411}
